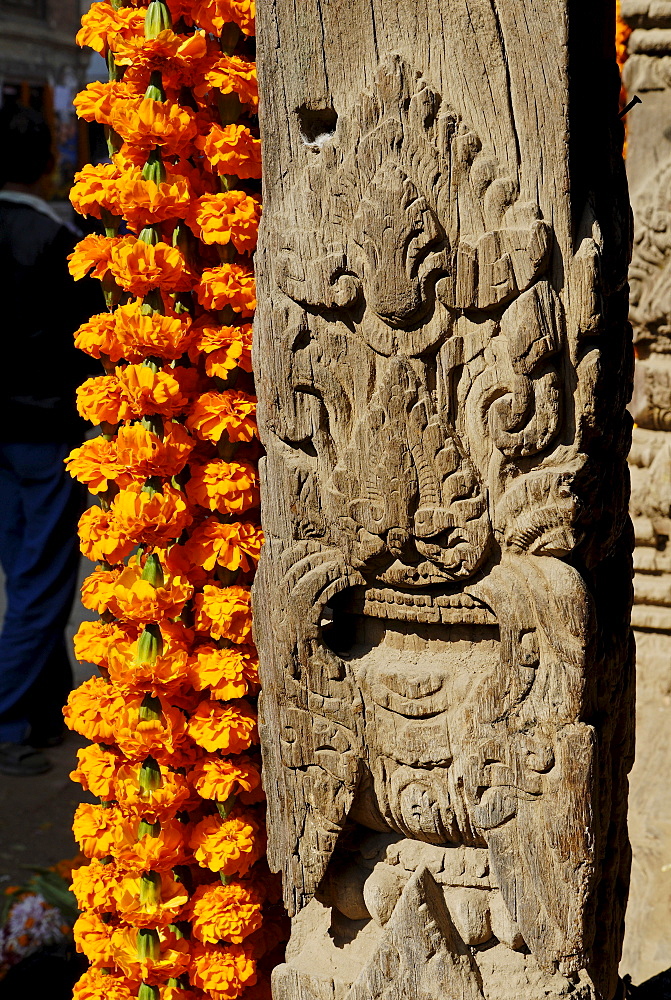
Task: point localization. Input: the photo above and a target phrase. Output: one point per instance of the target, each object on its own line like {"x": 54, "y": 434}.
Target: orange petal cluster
{"x": 176, "y": 902}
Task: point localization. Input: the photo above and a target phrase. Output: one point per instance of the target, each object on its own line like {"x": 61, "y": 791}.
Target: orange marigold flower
{"x": 225, "y": 912}
{"x": 96, "y": 771}
{"x": 96, "y": 188}
{"x": 228, "y": 846}
{"x": 136, "y": 600}
{"x": 94, "y": 254}
{"x": 103, "y": 26}
{"x": 165, "y": 675}
{"x": 146, "y": 391}
{"x": 154, "y": 335}
{"x": 143, "y": 202}
{"x": 102, "y": 400}
{"x": 159, "y": 909}
{"x": 217, "y": 778}
{"x": 232, "y": 150}
{"x": 99, "y": 538}
{"x": 224, "y": 612}
{"x": 227, "y": 673}
{"x": 180, "y": 60}
{"x": 145, "y": 454}
{"x": 98, "y": 589}
{"x": 147, "y": 123}
{"x": 230, "y": 412}
{"x": 234, "y": 75}
{"x": 140, "y": 267}
{"x": 96, "y": 101}
{"x": 93, "y": 985}
{"x": 158, "y": 852}
{"x": 93, "y": 640}
{"x": 97, "y": 829}
{"x": 214, "y": 14}
{"x": 150, "y": 517}
{"x": 229, "y": 487}
{"x": 161, "y": 803}
{"x": 95, "y": 464}
{"x": 98, "y": 337}
{"x": 228, "y": 285}
{"x": 94, "y": 939}
{"x": 225, "y": 348}
{"x": 234, "y": 546}
{"x": 230, "y": 726}
{"x": 162, "y": 736}
{"x": 91, "y": 710}
{"x": 171, "y": 962}
{"x": 228, "y": 217}
{"x": 94, "y": 886}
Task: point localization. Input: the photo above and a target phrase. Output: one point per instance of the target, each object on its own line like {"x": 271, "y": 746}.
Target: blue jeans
{"x": 40, "y": 505}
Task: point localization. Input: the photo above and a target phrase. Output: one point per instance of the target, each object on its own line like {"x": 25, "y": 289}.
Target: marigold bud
{"x": 150, "y": 645}
{"x": 148, "y": 944}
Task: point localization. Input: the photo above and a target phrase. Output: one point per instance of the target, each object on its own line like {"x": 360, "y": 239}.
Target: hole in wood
{"x": 317, "y": 125}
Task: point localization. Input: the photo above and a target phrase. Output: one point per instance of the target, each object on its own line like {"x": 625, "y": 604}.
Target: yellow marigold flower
{"x": 96, "y": 187}
{"x": 100, "y": 539}
{"x": 102, "y": 26}
{"x": 225, "y": 912}
{"x": 145, "y": 454}
{"x": 96, "y": 771}
{"x": 228, "y": 673}
{"x": 93, "y": 641}
{"x": 156, "y": 804}
{"x": 94, "y": 254}
{"x": 157, "y": 852}
{"x": 98, "y": 337}
{"x": 217, "y": 413}
{"x": 224, "y": 612}
{"x": 227, "y": 217}
{"x": 229, "y": 487}
{"x": 93, "y": 985}
{"x": 94, "y": 886}
{"x": 102, "y": 400}
{"x": 165, "y": 676}
{"x": 232, "y": 150}
{"x": 140, "y": 267}
{"x": 147, "y": 123}
{"x": 98, "y": 829}
{"x": 228, "y": 846}
{"x": 91, "y": 709}
{"x": 214, "y": 14}
{"x": 136, "y": 600}
{"x": 218, "y": 778}
{"x": 94, "y": 939}
{"x": 171, "y": 962}
{"x": 235, "y": 546}
{"x": 228, "y": 285}
{"x": 229, "y": 727}
{"x": 225, "y": 348}
{"x": 96, "y": 465}
{"x": 234, "y": 75}
{"x": 155, "y": 335}
{"x": 96, "y": 101}
{"x": 171, "y": 898}
{"x": 150, "y": 518}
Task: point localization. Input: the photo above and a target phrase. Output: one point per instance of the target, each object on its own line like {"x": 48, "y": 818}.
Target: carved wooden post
{"x": 647, "y": 74}
{"x": 443, "y": 603}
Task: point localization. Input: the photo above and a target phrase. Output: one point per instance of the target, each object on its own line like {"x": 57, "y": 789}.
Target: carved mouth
{"x": 429, "y": 607}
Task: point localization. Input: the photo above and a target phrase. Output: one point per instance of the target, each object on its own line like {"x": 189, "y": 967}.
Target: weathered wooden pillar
{"x": 647, "y": 74}
{"x": 442, "y": 610}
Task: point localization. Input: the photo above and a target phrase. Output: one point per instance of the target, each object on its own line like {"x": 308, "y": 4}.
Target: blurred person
{"x": 39, "y": 502}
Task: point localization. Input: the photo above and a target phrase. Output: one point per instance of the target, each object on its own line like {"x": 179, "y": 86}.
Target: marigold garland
{"x": 176, "y": 901}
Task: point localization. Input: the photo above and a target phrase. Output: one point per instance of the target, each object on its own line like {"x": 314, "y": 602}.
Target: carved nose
{"x": 397, "y": 539}
{"x": 394, "y": 297}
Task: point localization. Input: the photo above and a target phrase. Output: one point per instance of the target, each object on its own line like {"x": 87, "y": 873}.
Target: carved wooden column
{"x": 647, "y": 74}
{"x": 443, "y": 603}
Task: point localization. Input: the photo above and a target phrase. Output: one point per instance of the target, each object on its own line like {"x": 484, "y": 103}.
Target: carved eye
{"x": 317, "y": 125}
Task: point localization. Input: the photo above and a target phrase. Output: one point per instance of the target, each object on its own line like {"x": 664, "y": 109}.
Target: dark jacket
{"x": 40, "y": 309}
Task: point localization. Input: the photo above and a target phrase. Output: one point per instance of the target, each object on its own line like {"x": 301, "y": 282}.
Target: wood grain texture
{"x": 647, "y": 948}
{"x": 442, "y": 606}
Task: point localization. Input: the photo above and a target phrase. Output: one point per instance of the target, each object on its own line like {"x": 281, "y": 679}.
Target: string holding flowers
{"x": 177, "y": 902}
